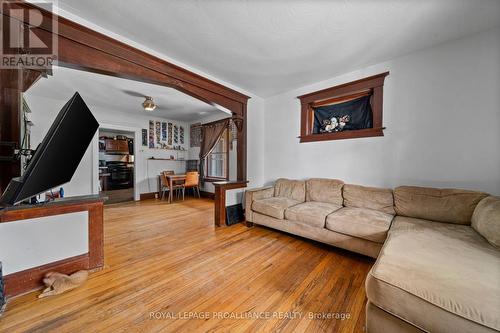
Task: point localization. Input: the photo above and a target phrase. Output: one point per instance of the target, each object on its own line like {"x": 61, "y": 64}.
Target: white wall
{"x": 442, "y": 113}
{"x": 39, "y": 241}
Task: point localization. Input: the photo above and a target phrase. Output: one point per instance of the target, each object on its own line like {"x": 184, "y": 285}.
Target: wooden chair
{"x": 165, "y": 186}
{"x": 193, "y": 181}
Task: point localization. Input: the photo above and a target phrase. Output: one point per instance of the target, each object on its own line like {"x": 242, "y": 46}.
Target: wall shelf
{"x": 165, "y": 159}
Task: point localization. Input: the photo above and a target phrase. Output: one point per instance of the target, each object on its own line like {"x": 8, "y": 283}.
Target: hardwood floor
{"x": 167, "y": 263}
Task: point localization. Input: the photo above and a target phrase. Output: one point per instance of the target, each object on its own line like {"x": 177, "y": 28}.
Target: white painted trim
{"x": 95, "y": 154}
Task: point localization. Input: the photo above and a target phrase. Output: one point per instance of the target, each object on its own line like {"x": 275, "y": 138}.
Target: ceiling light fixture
{"x": 148, "y": 104}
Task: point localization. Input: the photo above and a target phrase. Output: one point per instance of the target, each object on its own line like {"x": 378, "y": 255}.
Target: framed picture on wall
{"x": 144, "y": 137}
{"x": 158, "y": 132}
{"x": 176, "y": 134}
{"x": 151, "y": 134}
{"x": 164, "y": 131}
{"x": 170, "y": 129}
{"x": 181, "y": 135}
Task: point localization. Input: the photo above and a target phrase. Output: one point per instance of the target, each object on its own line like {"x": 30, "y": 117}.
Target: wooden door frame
{"x": 82, "y": 48}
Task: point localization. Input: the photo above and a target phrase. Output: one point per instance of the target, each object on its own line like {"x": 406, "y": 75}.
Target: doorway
{"x": 116, "y": 165}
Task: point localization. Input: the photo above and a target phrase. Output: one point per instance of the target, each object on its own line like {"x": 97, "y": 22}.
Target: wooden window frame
{"x": 372, "y": 85}
{"x": 209, "y": 179}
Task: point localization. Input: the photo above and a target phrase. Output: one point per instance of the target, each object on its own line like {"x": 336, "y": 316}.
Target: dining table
{"x": 171, "y": 179}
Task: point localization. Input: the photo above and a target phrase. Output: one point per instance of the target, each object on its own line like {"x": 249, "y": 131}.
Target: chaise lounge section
{"x": 437, "y": 250}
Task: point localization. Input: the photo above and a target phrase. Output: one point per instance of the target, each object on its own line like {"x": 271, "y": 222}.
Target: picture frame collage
{"x": 163, "y": 135}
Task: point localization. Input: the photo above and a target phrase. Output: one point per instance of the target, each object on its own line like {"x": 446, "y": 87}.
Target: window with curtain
{"x": 346, "y": 111}
{"x": 217, "y": 162}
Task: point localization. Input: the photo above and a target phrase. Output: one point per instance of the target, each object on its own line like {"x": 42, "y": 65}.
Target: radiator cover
{"x": 234, "y": 214}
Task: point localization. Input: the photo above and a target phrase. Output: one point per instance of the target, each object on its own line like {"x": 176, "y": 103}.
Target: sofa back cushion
{"x": 442, "y": 205}
{"x": 375, "y": 198}
{"x": 292, "y": 189}
{"x": 486, "y": 220}
{"x": 324, "y": 190}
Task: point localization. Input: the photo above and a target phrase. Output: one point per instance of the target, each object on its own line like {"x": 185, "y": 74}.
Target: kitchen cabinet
{"x": 117, "y": 146}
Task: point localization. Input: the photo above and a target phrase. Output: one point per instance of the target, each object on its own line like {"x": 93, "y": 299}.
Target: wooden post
{"x": 220, "y": 206}
{"x": 10, "y": 122}
{"x": 220, "y": 199}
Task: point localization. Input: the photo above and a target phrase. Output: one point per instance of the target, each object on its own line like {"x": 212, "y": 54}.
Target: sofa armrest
{"x": 256, "y": 194}
{"x": 486, "y": 220}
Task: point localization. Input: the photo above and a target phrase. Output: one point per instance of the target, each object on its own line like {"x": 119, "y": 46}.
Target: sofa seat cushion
{"x": 312, "y": 212}
{"x": 364, "y": 223}
{"x": 437, "y": 276}
{"x": 320, "y": 234}
{"x": 274, "y": 207}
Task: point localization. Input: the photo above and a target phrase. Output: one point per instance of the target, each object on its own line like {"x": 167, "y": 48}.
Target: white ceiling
{"x": 122, "y": 95}
{"x": 267, "y": 47}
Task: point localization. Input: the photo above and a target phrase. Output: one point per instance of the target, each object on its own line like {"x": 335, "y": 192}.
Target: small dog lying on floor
{"x": 58, "y": 283}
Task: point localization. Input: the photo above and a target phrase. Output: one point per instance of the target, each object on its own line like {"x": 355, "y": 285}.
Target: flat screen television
{"x": 58, "y": 156}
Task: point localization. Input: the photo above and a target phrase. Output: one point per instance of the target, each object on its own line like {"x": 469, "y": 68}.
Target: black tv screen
{"x": 58, "y": 156}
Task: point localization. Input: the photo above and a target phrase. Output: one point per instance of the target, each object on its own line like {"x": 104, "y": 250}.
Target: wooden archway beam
{"x": 82, "y": 48}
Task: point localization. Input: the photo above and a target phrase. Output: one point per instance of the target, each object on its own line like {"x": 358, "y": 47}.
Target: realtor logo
{"x": 27, "y": 35}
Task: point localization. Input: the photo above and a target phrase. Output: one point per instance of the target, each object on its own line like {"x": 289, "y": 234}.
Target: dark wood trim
{"x": 72, "y": 31}
{"x": 31, "y": 279}
{"x": 369, "y": 86}
{"x": 220, "y": 199}
{"x": 151, "y": 195}
{"x": 25, "y": 281}
{"x": 241, "y": 145}
{"x": 345, "y": 88}
{"x": 85, "y": 49}
{"x": 96, "y": 236}
{"x": 213, "y": 180}
{"x": 208, "y": 195}
{"x": 148, "y": 196}
{"x": 363, "y": 133}
{"x": 220, "y": 206}
{"x": 341, "y": 99}
{"x": 30, "y": 77}
{"x": 231, "y": 184}
{"x": 35, "y": 211}
{"x": 11, "y": 85}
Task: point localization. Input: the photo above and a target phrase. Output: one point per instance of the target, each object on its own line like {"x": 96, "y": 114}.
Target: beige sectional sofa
{"x": 437, "y": 250}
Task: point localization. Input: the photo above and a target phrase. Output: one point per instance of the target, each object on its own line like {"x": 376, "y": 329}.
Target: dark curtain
{"x": 210, "y": 135}
{"x": 351, "y": 115}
